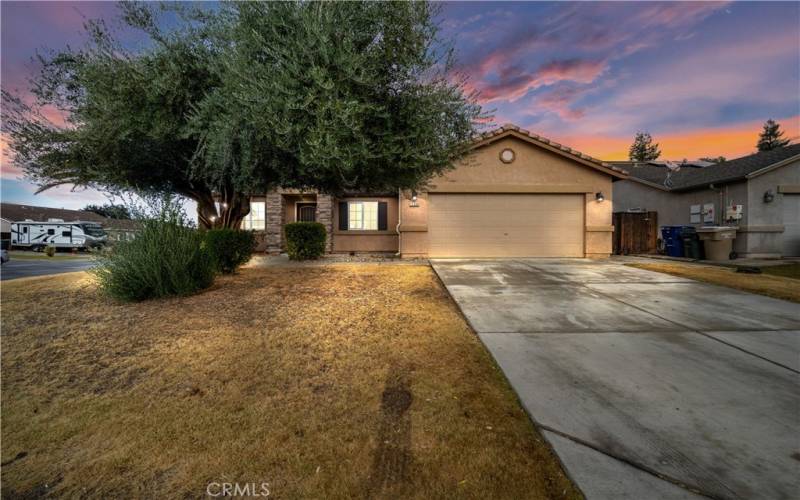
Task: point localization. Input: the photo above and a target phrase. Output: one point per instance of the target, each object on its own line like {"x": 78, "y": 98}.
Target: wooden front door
{"x": 306, "y": 212}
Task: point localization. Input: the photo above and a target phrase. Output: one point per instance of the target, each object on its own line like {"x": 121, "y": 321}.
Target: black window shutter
{"x": 343, "y": 216}
{"x": 383, "y": 223}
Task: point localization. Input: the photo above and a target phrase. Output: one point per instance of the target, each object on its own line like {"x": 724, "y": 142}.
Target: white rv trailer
{"x": 57, "y": 233}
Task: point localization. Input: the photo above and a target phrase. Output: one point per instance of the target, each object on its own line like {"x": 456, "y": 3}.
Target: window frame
{"x": 362, "y": 213}
{"x": 248, "y": 221}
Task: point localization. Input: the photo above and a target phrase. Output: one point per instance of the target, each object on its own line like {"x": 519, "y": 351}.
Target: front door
{"x": 306, "y": 212}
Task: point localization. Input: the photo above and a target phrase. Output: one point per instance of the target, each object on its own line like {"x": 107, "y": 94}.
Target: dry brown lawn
{"x": 342, "y": 381}
{"x": 779, "y": 287}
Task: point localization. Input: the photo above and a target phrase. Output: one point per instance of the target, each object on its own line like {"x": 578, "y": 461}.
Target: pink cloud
{"x": 515, "y": 82}
{"x": 675, "y": 14}
{"x": 500, "y": 74}
{"x": 559, "y": 101}
{"x": 8, "y": 169}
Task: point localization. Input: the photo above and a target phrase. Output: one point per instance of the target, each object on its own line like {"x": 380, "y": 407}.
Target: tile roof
{"x": 14, "y": 212}
{"x": 510, "y": 127}
{"x": 692, "y": 177}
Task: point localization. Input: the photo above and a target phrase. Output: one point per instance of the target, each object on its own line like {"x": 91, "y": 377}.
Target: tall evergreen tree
{"x": 771, "y": 137}
{"x": 643, "y": 148}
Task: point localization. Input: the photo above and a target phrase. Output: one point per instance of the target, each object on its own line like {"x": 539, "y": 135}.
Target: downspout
{"x": 399, "y": 221}
{"x": 720, "y": 203}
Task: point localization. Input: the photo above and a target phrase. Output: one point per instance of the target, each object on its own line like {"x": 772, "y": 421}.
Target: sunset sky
{"x": 700, "y": 77}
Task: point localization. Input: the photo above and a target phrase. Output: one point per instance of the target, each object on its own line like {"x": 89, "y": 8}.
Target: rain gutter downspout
{"x": 399, "y": 221}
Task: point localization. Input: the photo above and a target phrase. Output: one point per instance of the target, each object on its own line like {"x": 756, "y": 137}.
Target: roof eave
{"x": 769, "y": 168}
{"x": 648, "y": 183}
{"x": 707, "y": 185}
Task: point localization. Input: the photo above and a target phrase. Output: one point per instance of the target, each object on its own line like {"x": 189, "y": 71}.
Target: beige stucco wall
{"x": 534, "y": 170}
{"x": 367, "y": 241}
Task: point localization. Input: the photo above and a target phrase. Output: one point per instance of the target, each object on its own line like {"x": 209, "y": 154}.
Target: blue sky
{"x": 700, "y": 77}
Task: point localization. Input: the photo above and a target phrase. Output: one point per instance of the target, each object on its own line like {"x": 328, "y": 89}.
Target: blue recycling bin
{"x": 673, "y": 244}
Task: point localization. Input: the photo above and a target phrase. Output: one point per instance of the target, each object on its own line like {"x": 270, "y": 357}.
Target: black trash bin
{"x": 691, "y": 243}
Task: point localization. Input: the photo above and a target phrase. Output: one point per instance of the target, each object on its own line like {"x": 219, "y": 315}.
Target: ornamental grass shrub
{"x": 167, "y": 257}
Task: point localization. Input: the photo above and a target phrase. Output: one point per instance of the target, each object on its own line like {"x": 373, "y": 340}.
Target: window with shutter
{"x": 362, "y": 216}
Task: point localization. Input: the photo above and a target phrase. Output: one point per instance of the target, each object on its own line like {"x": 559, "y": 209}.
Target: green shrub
{"x": 230, "y": 248}
{"x": 305, "y": 240}
{"x": 167, "y": 257}
{"x": 50, "y": 251}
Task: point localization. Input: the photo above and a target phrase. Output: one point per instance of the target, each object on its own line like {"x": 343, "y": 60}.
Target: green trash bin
{"x": 691, "y": 243}
{"x": 691, "y": 247}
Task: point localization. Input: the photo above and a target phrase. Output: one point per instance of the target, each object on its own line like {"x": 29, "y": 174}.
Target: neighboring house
{"x": 516, "y": 195}
{"x": 117, "y": 229}
{"x": 766, "y": 186}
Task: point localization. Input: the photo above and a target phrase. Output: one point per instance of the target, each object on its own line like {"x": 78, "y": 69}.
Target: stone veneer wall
{"x": 275, "y": 207}
{"x": 325, "y": 217}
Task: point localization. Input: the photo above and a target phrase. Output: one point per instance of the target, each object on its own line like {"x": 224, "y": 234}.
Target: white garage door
{"x": 791, "y": 225}
{"x": 505, "y": 225}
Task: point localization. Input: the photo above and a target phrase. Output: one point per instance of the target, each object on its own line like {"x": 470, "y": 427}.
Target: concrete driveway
{"x": 647, "y": 385}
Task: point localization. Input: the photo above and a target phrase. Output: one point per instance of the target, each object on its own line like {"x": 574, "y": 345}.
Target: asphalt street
{"x": 23, "y": 268}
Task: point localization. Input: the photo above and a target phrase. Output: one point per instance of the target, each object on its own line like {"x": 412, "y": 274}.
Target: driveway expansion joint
{"x": 694, "y": 330}
{"x": 748, "y": 351}
{"x": 626, "y": 461}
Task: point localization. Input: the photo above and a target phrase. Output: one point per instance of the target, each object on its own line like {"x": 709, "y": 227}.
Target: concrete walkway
{"x": 647, "y": 385}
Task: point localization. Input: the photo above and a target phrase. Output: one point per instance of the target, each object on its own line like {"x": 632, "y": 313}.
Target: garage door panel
{"x": 505, "y": 225}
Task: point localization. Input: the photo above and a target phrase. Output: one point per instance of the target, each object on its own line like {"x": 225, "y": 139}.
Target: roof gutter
{"x": 648, "y": 183}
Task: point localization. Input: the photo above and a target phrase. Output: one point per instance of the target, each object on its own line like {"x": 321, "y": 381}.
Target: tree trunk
{"x": 233, "y": 208}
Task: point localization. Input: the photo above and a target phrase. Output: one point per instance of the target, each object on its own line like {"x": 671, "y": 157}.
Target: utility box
{"x": 717, "y": 241}
{"x": 734, "y": 212}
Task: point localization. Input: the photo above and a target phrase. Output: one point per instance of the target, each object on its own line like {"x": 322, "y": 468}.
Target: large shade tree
{"x": 335, "y": 97}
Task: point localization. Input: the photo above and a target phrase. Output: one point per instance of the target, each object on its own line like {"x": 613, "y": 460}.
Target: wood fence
{"x": 635, "y": 232}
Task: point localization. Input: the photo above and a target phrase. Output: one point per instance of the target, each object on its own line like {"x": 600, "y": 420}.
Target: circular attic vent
{"x": 507, "y": 155}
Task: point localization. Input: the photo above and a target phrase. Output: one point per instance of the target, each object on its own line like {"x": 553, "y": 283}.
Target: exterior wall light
{"x": 414, "y": 199}
{"x": 769, "y": 196}
{"x": 599, "y": 196}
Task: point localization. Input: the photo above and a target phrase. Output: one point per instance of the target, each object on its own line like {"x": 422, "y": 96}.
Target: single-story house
{"x": 758, "y": 193}
{"x": 516, "y": 195}
{"x": 117, "y": 229}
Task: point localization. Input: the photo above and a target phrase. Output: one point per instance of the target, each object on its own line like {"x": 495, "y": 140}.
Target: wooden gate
{"x": 635, "y": 232}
